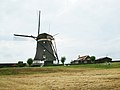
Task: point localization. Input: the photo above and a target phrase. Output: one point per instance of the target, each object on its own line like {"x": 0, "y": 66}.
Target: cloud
{"x": 13, "y": 51}
{"x": 85, "y": 27}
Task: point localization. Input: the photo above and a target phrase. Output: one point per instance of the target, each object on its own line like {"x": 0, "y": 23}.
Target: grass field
{"x": 74, "y": 77}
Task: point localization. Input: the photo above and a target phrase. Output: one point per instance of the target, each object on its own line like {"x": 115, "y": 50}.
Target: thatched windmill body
{"x": 46, "y": 47}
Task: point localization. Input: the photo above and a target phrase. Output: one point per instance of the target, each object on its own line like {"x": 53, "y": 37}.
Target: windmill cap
{"x": 45, "y": 36}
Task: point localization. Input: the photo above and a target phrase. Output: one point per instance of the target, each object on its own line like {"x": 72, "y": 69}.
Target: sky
{"x": 85, "y": 27}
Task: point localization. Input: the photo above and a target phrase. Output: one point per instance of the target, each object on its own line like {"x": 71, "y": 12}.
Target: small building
{"x": 103, "y": 60}
{"x": 82, "y": 60}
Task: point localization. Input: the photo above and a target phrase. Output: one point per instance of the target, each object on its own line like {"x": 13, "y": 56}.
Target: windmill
{"x": 46, "y": 50}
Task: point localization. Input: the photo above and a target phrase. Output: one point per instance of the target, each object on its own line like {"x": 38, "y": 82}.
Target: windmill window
{"x": 44, "y": 56}
{"x": 44, "y": 50}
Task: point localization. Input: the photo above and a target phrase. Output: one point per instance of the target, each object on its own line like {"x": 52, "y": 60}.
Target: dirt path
{"x": 106, "y": 79}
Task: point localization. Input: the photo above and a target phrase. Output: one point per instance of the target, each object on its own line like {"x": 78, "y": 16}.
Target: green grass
{"x": 53, "y": 69}
{"x": 100, "y": 66}
{"x": 26, "y": 70}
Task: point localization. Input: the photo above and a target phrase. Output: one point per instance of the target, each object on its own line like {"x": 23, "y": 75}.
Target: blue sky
{"x": 85, "y": 27}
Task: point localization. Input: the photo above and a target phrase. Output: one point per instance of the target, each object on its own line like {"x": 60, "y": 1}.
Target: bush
{"x": 30, "y": 61}
{"x": 20, "y": 64}
{"x": 63, "y": 60}
{"x": 92, "y": 58}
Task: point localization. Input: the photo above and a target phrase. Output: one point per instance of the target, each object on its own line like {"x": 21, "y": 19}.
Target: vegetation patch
{"x": 54, "y": 69}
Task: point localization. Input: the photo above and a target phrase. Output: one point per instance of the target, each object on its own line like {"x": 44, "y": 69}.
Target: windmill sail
{"x": 25, "y": 36}
{"x": 39, "y": 23}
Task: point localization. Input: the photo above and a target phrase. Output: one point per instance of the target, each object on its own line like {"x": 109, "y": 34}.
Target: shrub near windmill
{"x": 30, "y": 61}
{"x": 63, "y": 60}
{"x": 46, "y": 47}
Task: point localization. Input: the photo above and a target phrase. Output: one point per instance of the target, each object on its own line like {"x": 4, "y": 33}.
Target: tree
{"x": 92, "y": 58}
{"x": 30, "y": 61}
{"x": 63, "y": 60}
